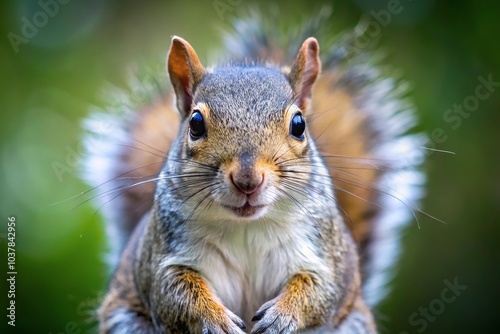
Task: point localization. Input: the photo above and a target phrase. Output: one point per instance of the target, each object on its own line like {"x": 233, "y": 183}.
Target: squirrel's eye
{"x": 298, "y": 126}
{"x": 196, "y": 125}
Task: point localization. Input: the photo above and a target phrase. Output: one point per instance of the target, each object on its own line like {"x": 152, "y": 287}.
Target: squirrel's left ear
{"x": 185, "y": 71}
{"x": 304, "y": 72}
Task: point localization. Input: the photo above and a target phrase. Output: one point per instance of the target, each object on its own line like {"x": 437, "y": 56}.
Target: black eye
{"x": 298, "y": 126}
{"x": 196, "y": 125}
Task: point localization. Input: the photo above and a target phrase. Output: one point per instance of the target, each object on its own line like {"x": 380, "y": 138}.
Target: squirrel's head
{"x": 244, "y": 145}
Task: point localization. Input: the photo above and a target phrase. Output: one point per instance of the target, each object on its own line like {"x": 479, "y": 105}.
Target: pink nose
{"x": 247, "y": 184}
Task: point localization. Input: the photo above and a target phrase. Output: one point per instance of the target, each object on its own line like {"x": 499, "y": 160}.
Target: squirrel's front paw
{"x": 225, "y": 322}
{"x": 273, "y": 317}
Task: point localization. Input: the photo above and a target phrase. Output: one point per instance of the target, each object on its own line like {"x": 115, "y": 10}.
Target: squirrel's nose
{"x": 247, "y": 184}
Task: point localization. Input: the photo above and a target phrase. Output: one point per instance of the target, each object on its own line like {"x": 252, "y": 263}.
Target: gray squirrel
{"x": 266, "y": 195}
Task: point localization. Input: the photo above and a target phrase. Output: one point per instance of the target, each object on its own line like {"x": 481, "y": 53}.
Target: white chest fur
{"x": 248, "y": 264}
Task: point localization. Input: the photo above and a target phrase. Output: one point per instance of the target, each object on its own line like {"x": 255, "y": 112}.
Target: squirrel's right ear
{"x": 304, "y": 72}
{"x": 185, "y": 71}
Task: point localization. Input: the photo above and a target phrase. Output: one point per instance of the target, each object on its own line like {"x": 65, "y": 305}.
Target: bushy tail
{"x": 126, "y": 145}
{"x": 360, "y": 121}
{"x": 361, "y": 124}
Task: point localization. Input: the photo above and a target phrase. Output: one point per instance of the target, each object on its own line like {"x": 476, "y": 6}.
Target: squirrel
{"x": 273, "y": 210}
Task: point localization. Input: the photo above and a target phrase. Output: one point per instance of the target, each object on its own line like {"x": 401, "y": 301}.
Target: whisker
{"x": 211, "y": 184}
{"x": 149, "y": 203}
{"x": 318, "y": 114}
{"x": 301, "y": 184}
{"x": 436, "y": 150}
{"x": 100, "y": 185}
{"x": 275, "y": 153}
{"x": 126, "y": 187}
{"x": 141, "y": 149}
{"x": 395, "y": 194}
{"x": 291, "y": 148}
{"x": 305, "y": 161}
{"x": 151, "y": 147}
{"x": 294, "y": 200}
{"x": 117, "y": 189}
{"x": 195, "y": 163}
{"x": 197, "y": 205}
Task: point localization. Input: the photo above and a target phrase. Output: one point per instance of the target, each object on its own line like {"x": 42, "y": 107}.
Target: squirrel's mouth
{"x": 247, "y": 210}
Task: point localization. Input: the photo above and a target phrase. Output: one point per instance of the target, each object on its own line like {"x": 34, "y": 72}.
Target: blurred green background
{"x": 49, "y": 80}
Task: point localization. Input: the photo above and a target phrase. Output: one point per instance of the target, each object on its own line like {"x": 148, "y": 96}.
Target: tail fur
{"x": 360, "y": 121}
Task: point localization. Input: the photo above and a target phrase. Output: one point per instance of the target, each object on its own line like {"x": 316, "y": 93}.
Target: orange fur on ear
{"x": 185, "y": 71}
{"x": 304, "y": 72}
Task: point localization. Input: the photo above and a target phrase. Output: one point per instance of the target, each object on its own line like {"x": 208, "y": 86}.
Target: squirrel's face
{"x": 245, "y": 145}
{"x": 245, "y": 125}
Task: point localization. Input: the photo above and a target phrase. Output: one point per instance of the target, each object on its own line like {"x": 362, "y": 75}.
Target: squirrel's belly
{"x": 246, "y": 281}
{"x": 247, "y": 270}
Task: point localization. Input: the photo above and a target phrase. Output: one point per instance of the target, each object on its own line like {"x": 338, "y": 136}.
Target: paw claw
{"x": 258, "y": 316}
{"x": 271, "y": 320}
{"x": 240, "y": 324}
{"x": 233, "y": 324}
